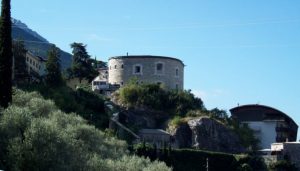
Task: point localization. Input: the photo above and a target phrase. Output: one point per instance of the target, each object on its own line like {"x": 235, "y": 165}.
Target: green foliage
{"x": 220, "y": 115}
{"x": 53, "y": 76}
{"x": 20, "y": 67}
{"x": 156, "y": 97}
{"x": 282, "y": 165}
{"x": 183, "y": 159}
{"x": 32, "y": 138}
{"x": 86, "y": 103}
{"x": 251, "y": 162}
{"x": 176, "y": 122}
{"x": 246, "y": 135}
{"x": 82, "y": 64}
{"x": 5, "y": 55}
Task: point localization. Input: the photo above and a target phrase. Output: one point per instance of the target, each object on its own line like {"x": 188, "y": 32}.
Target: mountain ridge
{"x": 36, "y": 43}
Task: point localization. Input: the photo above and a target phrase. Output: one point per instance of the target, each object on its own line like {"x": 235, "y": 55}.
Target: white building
{"x": 269, "y": 125}
{"x": 36, "y": 65}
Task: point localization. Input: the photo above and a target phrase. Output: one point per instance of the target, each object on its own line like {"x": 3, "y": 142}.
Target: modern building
{"x": 269, "y": 124}
{"x": 100, "y": 83}
{"x": 146, "y": 69}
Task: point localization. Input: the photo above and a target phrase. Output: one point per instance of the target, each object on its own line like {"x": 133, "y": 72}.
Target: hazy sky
{"x": 235, "y": 51}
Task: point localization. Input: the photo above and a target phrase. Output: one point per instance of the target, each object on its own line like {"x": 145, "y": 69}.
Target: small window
{"x": 122, "y": 66}
{"x": 115, "y": 66}
{"x": 159, "y": 68}
{"x": 110, "y": 67}
{"x": 122, "y": 83}
{"x": 137, "y": 69}
{"x": 177, "y": 72}
{"x": 177, "y": 86}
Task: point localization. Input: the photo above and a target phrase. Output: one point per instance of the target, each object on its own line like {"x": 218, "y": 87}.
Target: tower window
{"x": 159, "y": 68}
{"x": 177, "y": 72}
{"x": 137, "y": 69}
{"x": 115, "y": 66}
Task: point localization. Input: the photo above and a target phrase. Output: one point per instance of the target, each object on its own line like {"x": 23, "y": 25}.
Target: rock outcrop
{"x": 207, "y": 134}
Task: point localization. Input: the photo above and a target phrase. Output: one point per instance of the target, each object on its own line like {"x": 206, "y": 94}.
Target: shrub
{"x": 283, "y": 165}
{"x": 176, "y": 122}
{"x": 54, "y": 140}
{"x": 155, "y": 97}
{"x": 86, "y": 103}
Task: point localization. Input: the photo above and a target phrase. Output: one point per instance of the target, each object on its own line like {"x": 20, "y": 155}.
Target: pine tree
{"x": 5, "y": 55}
{"x": 20, "y": 67}
{"x": 82, "y": 64}
{"x": 53, "y": 76}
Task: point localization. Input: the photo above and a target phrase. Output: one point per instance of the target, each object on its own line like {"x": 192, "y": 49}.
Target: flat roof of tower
{"x": 145, "y": 56}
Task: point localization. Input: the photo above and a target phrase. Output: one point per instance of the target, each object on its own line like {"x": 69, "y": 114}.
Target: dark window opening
{"x": 137, "y": 69}
{"x": 159, "y": 67}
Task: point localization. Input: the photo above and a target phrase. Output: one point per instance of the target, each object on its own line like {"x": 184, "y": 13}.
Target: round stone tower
{"x": 146, "y": 69}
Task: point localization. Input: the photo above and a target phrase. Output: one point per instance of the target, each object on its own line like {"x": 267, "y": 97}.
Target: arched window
{"x": 177, "y": 72}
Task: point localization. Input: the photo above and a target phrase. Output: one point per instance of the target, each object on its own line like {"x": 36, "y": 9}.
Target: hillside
{"x": 36, "y": 135}
{"x": 36, "y": 43}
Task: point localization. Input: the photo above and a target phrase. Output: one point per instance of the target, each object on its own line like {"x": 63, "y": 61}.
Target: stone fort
{"x": 168, "y": 71}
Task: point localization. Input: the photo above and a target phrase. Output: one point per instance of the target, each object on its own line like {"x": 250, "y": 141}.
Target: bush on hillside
{"x": 35, "y": 138}
{"x": 282, "y": 165}
{"x": 154, "y": 96}
{"x": 188, "y": 159}
{"x": 86, "y": 103}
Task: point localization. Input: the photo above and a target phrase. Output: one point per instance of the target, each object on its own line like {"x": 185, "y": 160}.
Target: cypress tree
{"x": 20, "y": 67}
{"x": 53, "y": 77}
{"x": 5, "y": 55}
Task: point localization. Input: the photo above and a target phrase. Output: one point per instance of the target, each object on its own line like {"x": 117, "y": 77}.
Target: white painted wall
{"x": 265, "y": 132}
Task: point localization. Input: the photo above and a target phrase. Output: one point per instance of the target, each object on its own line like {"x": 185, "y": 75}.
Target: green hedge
{"x": 188, "y": 159}
{"x": 183, "y": 160}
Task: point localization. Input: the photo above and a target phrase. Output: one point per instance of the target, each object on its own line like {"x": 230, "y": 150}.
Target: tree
{"x": 20, "y": 67}
{"x": 53, "y": 76}
{"x": 82, "y": 64}
{"x": 5, "y": 55}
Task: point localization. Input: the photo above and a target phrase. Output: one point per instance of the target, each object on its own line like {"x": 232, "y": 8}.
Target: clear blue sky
{"x": 235, "y": 51}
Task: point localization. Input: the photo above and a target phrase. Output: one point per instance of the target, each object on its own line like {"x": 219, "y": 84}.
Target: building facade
{"x": 36, "y": 65}
{"x": 146, "y": 69}
{"x": 269, "y": 125}
{"x": 158, "y": 137}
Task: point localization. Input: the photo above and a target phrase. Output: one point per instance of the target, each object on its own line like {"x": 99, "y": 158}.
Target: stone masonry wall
{"x": 119, "y": 75}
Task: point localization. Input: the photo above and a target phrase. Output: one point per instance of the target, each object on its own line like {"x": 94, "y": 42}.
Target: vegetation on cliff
{"x": 175, "y": 102}
{"x": 182, "y": 106}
